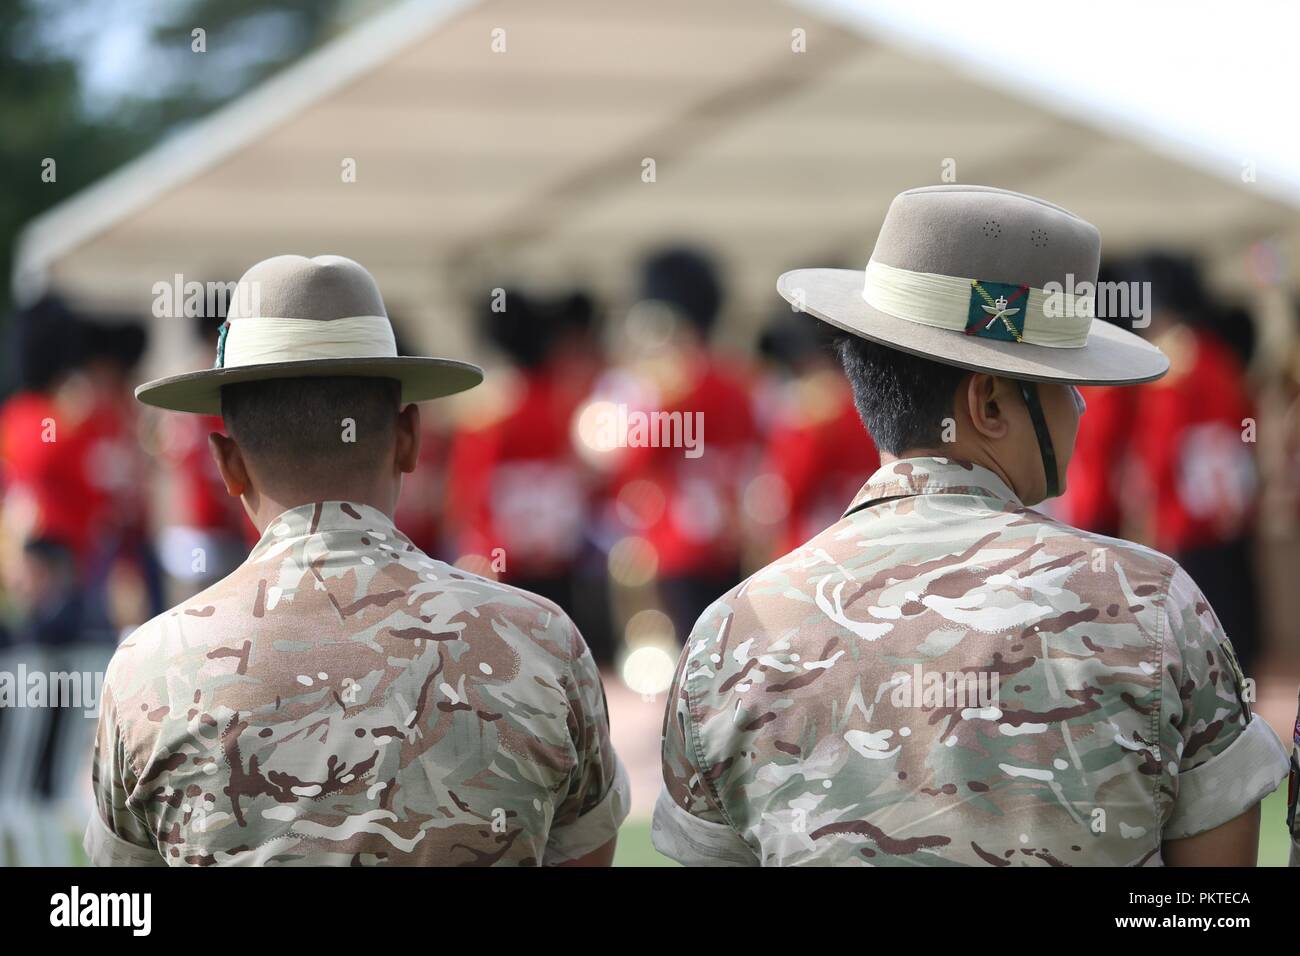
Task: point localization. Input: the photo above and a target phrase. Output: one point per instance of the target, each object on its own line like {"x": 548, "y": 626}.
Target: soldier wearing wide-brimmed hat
{"x": 341, "y": 698}
{"x": 946, "y": 676}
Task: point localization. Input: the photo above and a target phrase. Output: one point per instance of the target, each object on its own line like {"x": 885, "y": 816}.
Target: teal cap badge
{"x": 997, "y": 310}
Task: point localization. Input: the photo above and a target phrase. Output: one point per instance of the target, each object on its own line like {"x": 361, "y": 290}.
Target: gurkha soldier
{"x": 946, "y": 676}
{"x": 341, "y": 698}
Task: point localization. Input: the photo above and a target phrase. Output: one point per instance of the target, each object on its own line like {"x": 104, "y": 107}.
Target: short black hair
{"x": 298, "y": 422}
{"x": 901, "y": 398}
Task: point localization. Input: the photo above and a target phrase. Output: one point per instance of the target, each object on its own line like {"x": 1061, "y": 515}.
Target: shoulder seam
{"x": 1160, "y": 711}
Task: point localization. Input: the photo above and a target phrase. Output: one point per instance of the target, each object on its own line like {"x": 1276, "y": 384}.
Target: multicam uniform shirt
{"x": 343, "y": 699}
{"x": 946, "y": 677}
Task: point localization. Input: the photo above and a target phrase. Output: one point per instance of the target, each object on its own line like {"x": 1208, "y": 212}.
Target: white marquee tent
{"x": 476, "y": 166}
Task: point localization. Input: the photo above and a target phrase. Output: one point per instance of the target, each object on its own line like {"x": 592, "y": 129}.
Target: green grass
{"x": 1274, "y": 845}
{"x": 634, "y": 847}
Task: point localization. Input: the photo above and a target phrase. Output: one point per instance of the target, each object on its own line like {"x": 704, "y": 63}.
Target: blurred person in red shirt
{"x": 679, "y": 505}
{"x": 419, "y": 505}
{"x": 817, "y": 454}
{"x": 74, "y": 473}
{"x": 124, "y": 579}
{"x": 46, "y": 495}
{"x": 518, "y": 497}
{"x": 577, "y": 359}
{"x": 44, "y": 523}
{"x": 1193, "y": 444}
{"x": 1093, "y": 495}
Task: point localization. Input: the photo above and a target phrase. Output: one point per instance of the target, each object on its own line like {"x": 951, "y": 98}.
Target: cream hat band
{"x": 967, "y": 305}
{"x": 266, "y": 339}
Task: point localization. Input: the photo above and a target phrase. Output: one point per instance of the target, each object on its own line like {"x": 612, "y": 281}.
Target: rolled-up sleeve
{"x": 105, "y": 848}
{"x": 598, "y": 797}
{"x": 1229, "y": 783}
{"x": 1222, "y": 760}
{"x": 596, "y": 827}
{"x": 694, "y": 841}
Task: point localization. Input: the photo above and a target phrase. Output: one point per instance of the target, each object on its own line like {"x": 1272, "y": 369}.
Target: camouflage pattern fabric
{"x": 946, "y": 677}
{"x": 1293, "y": 793}
{"x": 343, "y": 699}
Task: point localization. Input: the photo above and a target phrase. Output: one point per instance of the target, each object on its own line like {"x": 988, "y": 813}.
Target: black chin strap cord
{"x": 1030, "y": 393}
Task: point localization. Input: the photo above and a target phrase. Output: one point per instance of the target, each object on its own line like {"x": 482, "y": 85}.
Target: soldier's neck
{"x": 263, "y": 507}
{"x": 956, "y": 452}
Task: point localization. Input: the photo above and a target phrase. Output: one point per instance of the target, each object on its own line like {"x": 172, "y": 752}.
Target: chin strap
{"x": 1030, "y": 393}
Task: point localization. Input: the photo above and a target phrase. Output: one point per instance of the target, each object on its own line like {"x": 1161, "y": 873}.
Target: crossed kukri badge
{"x": 1000, "y": 318}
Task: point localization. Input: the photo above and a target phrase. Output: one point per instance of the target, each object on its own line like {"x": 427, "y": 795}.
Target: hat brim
{"x": 1113, "y": 356}
{"x": 422, "y": 379}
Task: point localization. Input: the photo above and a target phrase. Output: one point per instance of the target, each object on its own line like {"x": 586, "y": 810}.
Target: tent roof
{"x": 475, "y": 168}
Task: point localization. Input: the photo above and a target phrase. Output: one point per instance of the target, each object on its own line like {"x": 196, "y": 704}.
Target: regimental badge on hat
{"x": 999, "y": 318}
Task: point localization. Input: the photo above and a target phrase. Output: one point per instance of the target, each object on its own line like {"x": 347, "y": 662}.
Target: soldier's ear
{"x": 408, "y": 439}
{"x": 230, "y": 463}
{"x": 986, "y": 403}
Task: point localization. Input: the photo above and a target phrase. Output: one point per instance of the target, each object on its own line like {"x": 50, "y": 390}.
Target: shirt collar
{"x": 929, "y": 476}
{"x": 327, "y": 516}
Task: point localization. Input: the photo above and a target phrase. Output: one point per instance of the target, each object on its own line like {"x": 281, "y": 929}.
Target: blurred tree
{"x": 246, "y": 41}
{"x": 41, "y": 118}
{"x": 50, "y": 110}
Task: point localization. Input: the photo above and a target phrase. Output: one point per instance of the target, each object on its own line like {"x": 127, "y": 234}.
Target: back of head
{"x": 902, "y": 398}
{"x": 313, "y": 435}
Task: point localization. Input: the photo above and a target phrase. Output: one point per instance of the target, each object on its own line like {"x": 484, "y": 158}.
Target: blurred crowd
{"x": 112, "y": 512}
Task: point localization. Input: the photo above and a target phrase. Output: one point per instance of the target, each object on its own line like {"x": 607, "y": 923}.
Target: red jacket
{"x": 1094, "y": 489}
{"x": 1188, "y": 442}
{"x": 515, "y": 482}
{"x": 48, "y": 475}
{"x": 687, "y": 508}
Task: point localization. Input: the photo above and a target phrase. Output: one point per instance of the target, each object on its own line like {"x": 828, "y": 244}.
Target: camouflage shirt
{"x": 946, "y": 677}
{"x": 343, "y": 699}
